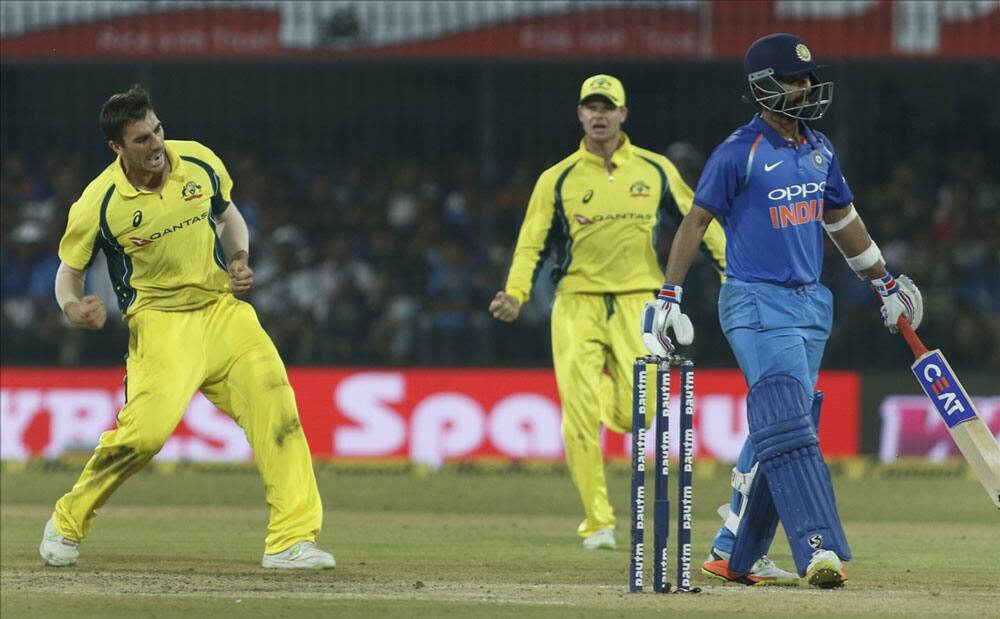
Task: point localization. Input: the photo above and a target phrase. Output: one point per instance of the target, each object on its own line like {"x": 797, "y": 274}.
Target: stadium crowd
{"x": 397, "y": 268}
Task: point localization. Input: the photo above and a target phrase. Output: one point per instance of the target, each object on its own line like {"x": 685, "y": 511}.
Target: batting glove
{"x": 900, "y": 297}
{"x": 662, "y": 314}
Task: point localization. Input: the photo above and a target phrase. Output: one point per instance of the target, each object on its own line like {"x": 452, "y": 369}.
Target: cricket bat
{"x": 974, "y": 439}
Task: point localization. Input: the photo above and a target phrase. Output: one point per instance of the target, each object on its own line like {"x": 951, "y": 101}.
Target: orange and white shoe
{"x": 762, "y": 573}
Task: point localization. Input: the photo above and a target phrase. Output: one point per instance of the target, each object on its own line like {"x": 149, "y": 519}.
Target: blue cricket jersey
{"x": 769, "y": 197}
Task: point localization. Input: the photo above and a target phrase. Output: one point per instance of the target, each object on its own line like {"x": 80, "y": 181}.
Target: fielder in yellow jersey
{"x": 598, "y": 211}
{"x": 177, "y": 250}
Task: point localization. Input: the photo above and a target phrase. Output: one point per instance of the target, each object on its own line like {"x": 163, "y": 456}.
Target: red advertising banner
{"x": 605, "y": 29}
{"x": 422, "y": 415}
{"x": 194, "y": 33}
{"x": 596, "y": 33}
{"x": 912, "y": 428}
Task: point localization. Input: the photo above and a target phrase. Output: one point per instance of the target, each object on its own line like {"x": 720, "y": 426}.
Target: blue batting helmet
{"x": 780, "y": 55}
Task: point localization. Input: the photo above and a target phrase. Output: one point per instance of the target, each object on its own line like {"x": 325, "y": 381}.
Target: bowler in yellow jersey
{"x": 597, "y": 212}
{"x": 178, "y": 251}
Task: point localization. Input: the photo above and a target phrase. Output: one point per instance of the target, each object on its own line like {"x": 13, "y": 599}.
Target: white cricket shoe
{"x": 768, "y": 573}
{"x": 602, "y": 540}
{"x": 825, "y": 570}
{"x": 301, "y": 556}
{"x": 58, "y": 551}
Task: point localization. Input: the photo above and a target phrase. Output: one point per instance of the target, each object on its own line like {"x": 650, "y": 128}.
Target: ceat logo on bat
{"x": 944, "y": 390}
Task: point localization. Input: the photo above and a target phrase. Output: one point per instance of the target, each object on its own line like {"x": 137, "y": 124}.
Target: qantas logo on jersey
{"x": 596, "y": 219}
{"x": 177, "y": 227}
{"x": 795, "y": 212}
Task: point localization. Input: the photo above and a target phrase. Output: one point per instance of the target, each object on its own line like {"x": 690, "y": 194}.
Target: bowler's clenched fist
{"x": 240, "y": 274}
{"x": 87, "y": 313}
{"x": 505, "y": 307}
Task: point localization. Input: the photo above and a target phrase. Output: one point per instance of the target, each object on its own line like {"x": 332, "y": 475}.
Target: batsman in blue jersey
{"x": 775, "y": 185}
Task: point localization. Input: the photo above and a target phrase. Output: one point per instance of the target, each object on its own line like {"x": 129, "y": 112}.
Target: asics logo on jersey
{"x": 802, "y": 190}
{"x": 770, "y": 166}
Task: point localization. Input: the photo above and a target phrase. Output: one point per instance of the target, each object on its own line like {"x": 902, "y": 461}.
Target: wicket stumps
{"x": 661, "y": 499}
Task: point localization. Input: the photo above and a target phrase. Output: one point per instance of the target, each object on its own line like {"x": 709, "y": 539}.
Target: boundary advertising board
{"x": 423, "y": 415}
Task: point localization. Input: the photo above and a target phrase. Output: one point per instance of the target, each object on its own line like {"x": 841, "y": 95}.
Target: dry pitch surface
{"x": 471, "y": 543}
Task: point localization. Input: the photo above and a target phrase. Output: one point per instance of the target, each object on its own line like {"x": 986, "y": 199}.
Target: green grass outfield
{"x": 472, "y": 541}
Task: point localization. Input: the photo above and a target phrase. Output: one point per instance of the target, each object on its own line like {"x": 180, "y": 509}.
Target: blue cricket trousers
{"x": 773, "y": 329}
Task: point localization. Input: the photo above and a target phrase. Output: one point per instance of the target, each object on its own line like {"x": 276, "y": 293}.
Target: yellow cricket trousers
{"x": 592, "y": 333}
{"x": 222, "y": 350}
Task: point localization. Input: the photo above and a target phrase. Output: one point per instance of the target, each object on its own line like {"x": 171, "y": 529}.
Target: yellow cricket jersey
{"x": 162, "y": 248}
{"x": 602, "y": 228}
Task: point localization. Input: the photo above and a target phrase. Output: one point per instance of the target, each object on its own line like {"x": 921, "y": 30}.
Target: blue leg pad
{"x": 759, "y": 519}
{"x": 783, "y": 432}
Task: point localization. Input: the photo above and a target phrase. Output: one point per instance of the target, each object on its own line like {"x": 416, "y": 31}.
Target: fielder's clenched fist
{"x": 505, "y": 307}
{"x": 87, "y": 313}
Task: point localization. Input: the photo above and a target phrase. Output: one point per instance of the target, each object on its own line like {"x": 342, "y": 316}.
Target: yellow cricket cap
{"x": 603, "y": 86}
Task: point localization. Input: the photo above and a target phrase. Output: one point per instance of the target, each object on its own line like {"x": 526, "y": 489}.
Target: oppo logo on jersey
{"x": 796, "y": 213}
{"x": 791, "y": 192}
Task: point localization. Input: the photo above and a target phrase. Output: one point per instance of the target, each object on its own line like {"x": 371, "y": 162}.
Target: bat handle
{"x": 911, "y": 337}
